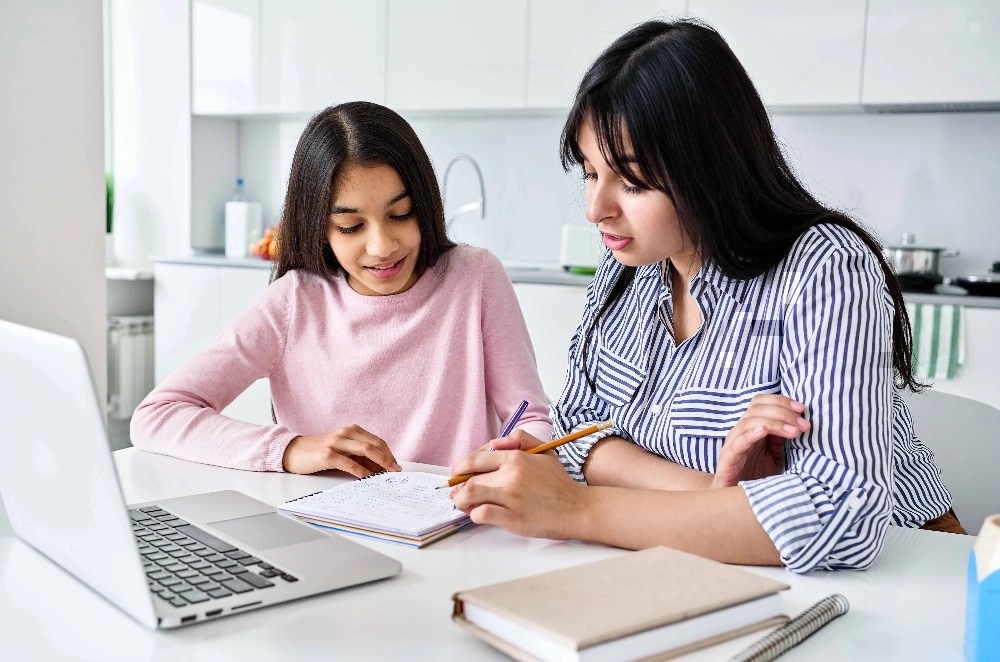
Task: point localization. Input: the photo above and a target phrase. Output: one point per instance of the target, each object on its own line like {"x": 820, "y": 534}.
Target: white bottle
{"x": 244, "y": 221}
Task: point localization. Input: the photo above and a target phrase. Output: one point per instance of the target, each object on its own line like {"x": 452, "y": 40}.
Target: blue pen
{"x": 507, "y": 429}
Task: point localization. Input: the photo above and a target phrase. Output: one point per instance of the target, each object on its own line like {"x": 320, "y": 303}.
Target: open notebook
{"x": 401, "y": 507}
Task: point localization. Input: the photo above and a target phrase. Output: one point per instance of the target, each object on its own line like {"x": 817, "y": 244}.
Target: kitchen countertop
{"x": 553, "y": 274}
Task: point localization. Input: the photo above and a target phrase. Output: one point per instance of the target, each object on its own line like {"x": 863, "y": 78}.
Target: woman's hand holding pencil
{"x": 523, "y": 490}
{"x": 541, "y": 448}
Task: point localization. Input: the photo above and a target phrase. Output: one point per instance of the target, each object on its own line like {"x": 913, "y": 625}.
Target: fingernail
{"x": 790, "y": 429}
{"x": 802, "y": 422}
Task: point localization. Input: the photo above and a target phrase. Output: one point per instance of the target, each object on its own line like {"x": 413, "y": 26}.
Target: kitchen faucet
{"x": 469, "y": 206}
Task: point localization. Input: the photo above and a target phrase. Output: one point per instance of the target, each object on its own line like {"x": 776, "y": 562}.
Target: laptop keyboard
{"x": 187, "y": 565}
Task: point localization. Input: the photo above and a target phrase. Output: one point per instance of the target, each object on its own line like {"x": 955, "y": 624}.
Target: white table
{"x": 909, "y": 606}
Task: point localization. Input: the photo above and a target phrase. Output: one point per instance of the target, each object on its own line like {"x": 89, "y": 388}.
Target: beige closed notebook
{"x": 649, "y": 604}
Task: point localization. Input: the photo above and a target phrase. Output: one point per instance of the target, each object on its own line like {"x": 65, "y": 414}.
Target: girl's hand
{"x": 352, "y": 449}
{"x": 755, "y": 447}
{"x": 526, "y": 494}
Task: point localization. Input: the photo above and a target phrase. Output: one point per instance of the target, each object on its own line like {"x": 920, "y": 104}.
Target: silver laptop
{"x": 169, "y": 563}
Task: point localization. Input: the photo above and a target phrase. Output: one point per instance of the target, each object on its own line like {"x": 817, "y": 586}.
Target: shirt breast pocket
{"x": 711, "y": 412}
{"x": 617, "y": 379}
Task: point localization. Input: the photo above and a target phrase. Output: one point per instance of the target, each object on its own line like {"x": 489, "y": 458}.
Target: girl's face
{"x": 640, "y": 226}
{"x": 373, "y": 230}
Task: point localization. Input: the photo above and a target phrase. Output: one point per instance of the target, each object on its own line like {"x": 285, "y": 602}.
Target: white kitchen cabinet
{"x": 552, "y": 313}
{"x": 317, "y": 54}
{"x": 225, "y": 57}
{"x": 929, "y": 51}
{"x": 564, "y": 39}
{"x": 797, "y": 53}
{"x": 455, "y": 54}
{"x": 193, "y": 304}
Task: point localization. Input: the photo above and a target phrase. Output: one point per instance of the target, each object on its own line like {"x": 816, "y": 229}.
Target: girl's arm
{"x": 511, "y": 374}
{"x": 181, "y": 416}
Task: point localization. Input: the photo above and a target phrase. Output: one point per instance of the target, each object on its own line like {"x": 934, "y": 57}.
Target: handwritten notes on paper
{"x": 402, "y": 504}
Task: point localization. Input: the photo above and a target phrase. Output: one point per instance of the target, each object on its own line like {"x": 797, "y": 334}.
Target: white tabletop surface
{"x": 909, "y": 606}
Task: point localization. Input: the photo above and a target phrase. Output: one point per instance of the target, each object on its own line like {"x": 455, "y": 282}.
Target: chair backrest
{"x": 965, "y": 437}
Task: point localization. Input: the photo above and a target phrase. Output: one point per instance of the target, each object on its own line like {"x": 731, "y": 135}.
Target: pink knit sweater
{"x": 431, "y": 370}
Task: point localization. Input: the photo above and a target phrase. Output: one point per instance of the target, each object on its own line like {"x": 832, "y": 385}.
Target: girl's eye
{"x": 632, "y": 190}
{"x": 589, "y": 176}
{"x": 354, "y": 228}
{"x": 403, "y": 217}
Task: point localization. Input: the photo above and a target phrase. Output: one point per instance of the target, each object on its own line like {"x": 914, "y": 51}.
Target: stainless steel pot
{"x": 908, "y": 259}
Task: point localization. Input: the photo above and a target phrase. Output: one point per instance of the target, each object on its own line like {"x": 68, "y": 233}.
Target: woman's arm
{"x": 617, "y": 462}
{"x": 531, "y": 495}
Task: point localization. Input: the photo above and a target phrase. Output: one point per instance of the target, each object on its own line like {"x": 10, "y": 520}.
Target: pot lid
{"x": 908, "y": 241}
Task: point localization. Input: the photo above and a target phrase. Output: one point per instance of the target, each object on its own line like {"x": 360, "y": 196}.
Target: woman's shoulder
{"x": 828, "y": 238}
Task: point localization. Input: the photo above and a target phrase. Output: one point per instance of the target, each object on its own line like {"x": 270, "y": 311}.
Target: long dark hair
{"x": 366, "y": 134}
{"x": 672, "y": 106}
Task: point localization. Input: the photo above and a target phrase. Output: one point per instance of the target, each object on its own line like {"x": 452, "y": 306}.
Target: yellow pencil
{"x": 573, "y": 436}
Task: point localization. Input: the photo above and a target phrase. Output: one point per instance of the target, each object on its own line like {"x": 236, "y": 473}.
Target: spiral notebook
{"x": 401, "y": 507}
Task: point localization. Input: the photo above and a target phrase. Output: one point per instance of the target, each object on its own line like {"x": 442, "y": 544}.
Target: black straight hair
{"x": 366, "y": 134}
{"x": 675, "y": 111}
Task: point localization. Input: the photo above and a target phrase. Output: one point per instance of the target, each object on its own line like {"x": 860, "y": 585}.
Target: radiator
{"x": 130, "y": 363}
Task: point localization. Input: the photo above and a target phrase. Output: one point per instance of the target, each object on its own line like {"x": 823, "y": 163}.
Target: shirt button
{"x": 854, "y": 503}
{"x": 655, "y": 409}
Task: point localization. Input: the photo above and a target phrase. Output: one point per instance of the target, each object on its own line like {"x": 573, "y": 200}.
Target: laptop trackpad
{"x": 267, "y": 531}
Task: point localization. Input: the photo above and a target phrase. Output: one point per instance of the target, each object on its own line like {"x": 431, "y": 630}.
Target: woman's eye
{"x": 589, "y": 176}
{"x": 348, "y": 230}
{"x": 632, "y": 190}
{"x": 403, "y": 217}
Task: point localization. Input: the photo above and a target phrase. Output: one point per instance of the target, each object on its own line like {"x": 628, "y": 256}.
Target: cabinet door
{"x": 317, "y": 54}
{"x": 238, "y": 289}
{"x": 797, "y": 53}
{"x": 186, "y": 309}
{"x": 565, "y": 39}
{"x": 929, "y": 51}
{"x": 225, "y": 56}
{"x": 552, "y": 313}
{"x": 455, "y": 54}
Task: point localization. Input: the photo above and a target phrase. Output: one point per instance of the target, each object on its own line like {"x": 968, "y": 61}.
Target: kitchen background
{"x": 887, "y": 109}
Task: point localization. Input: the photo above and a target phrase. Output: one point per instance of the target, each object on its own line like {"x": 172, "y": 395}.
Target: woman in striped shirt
{"x": 746, "y": 341}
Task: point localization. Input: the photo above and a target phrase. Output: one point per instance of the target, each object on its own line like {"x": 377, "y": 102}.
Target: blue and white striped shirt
{"x": 817, "y": 328}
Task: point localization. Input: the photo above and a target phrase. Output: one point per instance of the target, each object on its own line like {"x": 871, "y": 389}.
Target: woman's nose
{"x": 600, "y": 203}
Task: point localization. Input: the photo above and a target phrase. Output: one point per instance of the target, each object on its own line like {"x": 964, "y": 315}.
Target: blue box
{"x": 982, "y": 615}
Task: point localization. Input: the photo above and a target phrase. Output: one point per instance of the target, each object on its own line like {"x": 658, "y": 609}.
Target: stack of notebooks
{"x": 653, "y": 604}
{"x": 400, "y": 507}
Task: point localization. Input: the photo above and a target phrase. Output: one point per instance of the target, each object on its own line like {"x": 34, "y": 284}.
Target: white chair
{"x": 965, "y": 437}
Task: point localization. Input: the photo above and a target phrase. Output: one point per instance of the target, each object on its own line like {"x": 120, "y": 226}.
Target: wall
{"x": 933, "y": 174}
{"x": 52, "y": 172}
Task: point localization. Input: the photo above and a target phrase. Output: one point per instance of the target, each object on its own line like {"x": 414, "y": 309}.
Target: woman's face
{"x": 373, "y": 230}
{"x": 640, "y": 226}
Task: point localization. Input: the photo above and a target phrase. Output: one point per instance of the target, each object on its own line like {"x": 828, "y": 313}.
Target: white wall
{"x": 52, "y": 172}
{"x": 934, "y": 174}
{"x": 151, "y": 118}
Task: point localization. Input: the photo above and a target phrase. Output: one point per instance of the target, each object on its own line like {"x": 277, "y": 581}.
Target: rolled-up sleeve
{"x": 830, "y": 508}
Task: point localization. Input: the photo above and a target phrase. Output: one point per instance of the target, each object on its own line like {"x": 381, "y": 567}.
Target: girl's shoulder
{"x": 464, "y": 261}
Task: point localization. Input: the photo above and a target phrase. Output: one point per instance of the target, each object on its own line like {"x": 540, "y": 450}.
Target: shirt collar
{"x": 710, "y": 275}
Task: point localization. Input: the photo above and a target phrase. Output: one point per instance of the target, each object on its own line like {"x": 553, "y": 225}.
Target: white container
{"x": 244, "y": 224}
{"x": 581, "y": 247}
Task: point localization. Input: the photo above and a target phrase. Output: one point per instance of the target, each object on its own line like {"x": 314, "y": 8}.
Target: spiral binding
{"x": 795, "y": 631}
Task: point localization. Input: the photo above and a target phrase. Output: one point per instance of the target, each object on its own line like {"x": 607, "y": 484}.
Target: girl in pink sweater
{"x": 381, "y": 339}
